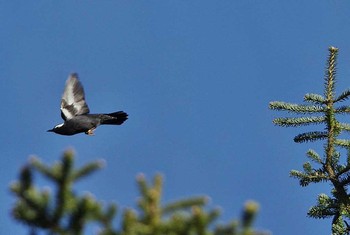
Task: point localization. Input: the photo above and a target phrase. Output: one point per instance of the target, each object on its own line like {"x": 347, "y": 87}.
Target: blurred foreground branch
{"x": 62, "y": 211}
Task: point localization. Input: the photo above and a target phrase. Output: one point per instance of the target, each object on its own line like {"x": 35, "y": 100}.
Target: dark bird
{"x": 75, "y": 112}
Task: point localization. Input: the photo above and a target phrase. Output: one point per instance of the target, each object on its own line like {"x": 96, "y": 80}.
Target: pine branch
{"x": 248, "y": 216}
{"x": 310, "y": 136}
{"x": 49, "y": 212}
{"x": 313, "y": 176}
{"x": 329, "y": 79}
{"x": 338, "y": 225}
{"x": 326, "y": 207}
{"x": 320, "y": 212}
{"x": 311, "y": 154}
{"x": 314, "y": 98}
{"x": 345, "y": 180}
{"x": 295, "y": 108}
{"x": 342, "y": 110}
{"x": 88, "y": 169}
{"x": 344, "y": 126}
{"x": 302, "y": 121}
{"x": 343, "y": 96}
{"x": 342, "y": 143}
{"x": 184, "y": 204}
{"x": 50, "y": 173}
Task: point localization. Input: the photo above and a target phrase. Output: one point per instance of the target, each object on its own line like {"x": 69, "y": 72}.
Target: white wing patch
{"x": 73, "y": 99}
{"x": 68, "y": 91}
{"x": 59, "y": 125}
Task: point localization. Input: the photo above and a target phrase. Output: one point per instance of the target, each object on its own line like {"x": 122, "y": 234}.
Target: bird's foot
{"x": 90, "y": 132}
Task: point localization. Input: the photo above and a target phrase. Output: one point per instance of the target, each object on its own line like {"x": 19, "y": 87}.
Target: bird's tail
{"x": 116, "y": 118}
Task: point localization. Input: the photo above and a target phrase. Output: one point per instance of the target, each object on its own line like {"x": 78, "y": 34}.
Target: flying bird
{"x": 75, "y": 112}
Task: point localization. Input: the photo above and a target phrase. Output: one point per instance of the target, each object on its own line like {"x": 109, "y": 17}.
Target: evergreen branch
{"x": 110, "y": 212}
{"x": 106, "y": 219}
{"x": 320, "y": 212}
{"x": 78, "y": 217}
{"x": 26, "y": 177}
{"x": 314, "y": 156}
{"x": 326, "y": 207}
{"x": 332, "y": 158}
{"x": 158, "y": 183}
{"x": 250, "y": 210}
{"x": 302, "y": 121}
{"x": 311, "y": 176}
{"x": 87, "y": 170}
{"x": 64, "y": 182}
{"x": 32, "y": 207}
{"x": 141, "y": 181}
{"x": 330, "y": 74}
{"x": 310, "y": 136}
{"x": 344, "y": 126}
{"x": 215, "y": 213}
{"x": 314, "y": 98}
{"x": 66, "y": 166}
{"x": 86, "y": 209}
{"x": 338, "y": 225}
{"x": 179, "y": 224}
{"x": 339, "y": 169}
{"x": 342, "y": 110}
{"x": 343, "y": 96}
{"x": 66, "y": 213}
{"x": 296, "y": 108}
{"x": 231, "y": 228}
{"x": 184, "y": 204}
{"x": 342, "y": 170}
{"x": 345, "y": 180}
{"x": 332, "y": 170}
{"x": 334, "y": 162}
{"x": 199, "y": 220}
{"x": 307, "y": 168}
{"x": 129, "y": 222}
{"x": 49, "y": 172}
{"x": 342, "y": 143}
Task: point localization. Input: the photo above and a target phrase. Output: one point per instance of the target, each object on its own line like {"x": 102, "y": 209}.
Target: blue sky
{"x": 195, "y": 77}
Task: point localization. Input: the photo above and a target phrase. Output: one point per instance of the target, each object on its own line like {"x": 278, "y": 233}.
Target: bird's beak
{"x": 50, "y": 130}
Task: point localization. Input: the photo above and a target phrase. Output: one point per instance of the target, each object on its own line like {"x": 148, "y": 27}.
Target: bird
{"x": 75, "y": 112}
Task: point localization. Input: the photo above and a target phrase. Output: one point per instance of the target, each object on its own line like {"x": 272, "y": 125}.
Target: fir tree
{"x": 65, "y": 212}
{"x": 331, "y": 167}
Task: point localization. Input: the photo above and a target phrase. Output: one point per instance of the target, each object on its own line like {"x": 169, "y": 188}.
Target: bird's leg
{"x": 91, "y": 131}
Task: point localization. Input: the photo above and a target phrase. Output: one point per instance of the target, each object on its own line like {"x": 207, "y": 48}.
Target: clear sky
{"x": 195, "y": 77}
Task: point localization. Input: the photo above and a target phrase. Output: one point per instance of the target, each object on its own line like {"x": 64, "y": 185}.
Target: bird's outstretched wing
{"x": 73, "y": 99}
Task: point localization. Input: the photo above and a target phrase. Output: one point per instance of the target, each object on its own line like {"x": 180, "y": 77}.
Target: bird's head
{"x": 56, "y": 128}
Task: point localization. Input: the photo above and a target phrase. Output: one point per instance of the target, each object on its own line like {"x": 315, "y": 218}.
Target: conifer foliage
{"x": 64, "y": 211}
{"x": 331, "y": 167}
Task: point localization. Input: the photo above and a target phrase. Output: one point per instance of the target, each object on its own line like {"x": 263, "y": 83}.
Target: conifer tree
{"x": 65, "y": 212}
{"x": 333, "y": 166}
